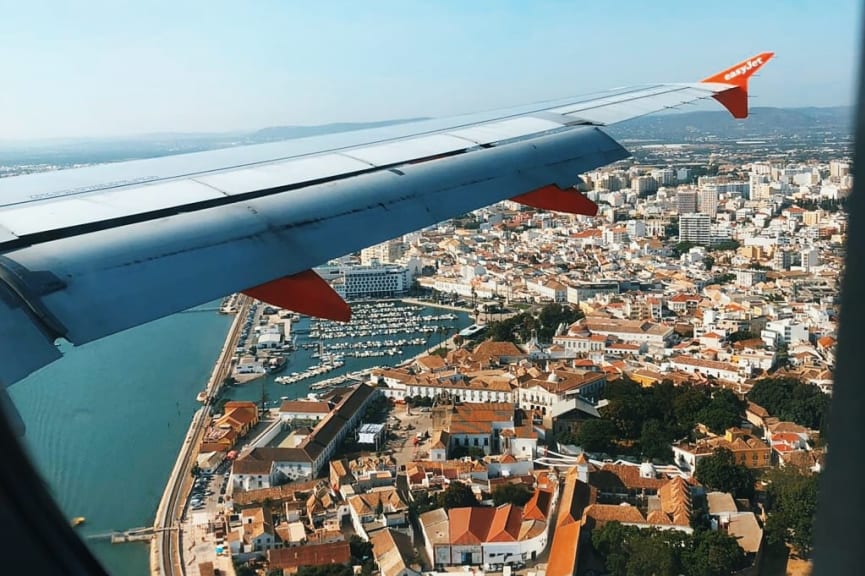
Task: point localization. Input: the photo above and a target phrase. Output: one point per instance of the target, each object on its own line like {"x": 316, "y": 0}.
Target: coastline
{"x": 165, "y": 548}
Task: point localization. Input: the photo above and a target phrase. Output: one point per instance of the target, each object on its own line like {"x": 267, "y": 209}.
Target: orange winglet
{"x": 554, "y": 198}
{"x": 305, "y": 292}
{"x": 736, "y": 99}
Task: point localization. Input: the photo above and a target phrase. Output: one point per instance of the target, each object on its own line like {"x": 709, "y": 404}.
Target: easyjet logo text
{"x": 744, "y": 68}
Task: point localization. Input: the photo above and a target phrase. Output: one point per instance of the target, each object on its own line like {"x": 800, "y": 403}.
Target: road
{"x": 170, "y": 511}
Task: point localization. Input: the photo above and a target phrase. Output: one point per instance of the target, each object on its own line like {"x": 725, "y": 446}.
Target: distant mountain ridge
{"x": 675, "y": 127}
{"x": 762, "y": 122}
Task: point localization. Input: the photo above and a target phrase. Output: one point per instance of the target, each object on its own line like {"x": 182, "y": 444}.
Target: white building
{"x": 695, "y": 228}
{"x": 378, "y": 281}
{"x": 719, "y": 370}
{"x": 493, "y": 537}
{"x": 708, "y": 200}
{"x": 582, "y": 291}
{"x": 784, "y": 331}
{"x": 551, "y": 290}
{"x": 385, "y": 253}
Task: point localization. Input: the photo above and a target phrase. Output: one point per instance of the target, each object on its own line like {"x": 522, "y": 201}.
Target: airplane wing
{"x": 88, "y": 252}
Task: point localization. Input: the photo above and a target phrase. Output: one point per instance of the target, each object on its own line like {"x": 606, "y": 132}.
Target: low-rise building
{"x": 306, "y": 410}
{"x": 290, "y": 559}
{"x": 705, "y": 368}
{"x": 747, "y": 450}
{"x": 497, "y": 536}
{"x": 392, "y": 551}
{"x": 377, "y": 509}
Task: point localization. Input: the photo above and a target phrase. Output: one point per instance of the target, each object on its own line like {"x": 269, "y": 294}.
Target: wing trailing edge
{"x": 559, "y": 200}
{"x": 305, "y": 292}
{"x": 735, "y": 99}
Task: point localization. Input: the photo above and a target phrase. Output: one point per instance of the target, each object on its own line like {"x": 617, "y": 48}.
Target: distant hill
{"x": 662, "y": 128}
{"x": 289, "y": 132}
{"x": 763, "y": 122}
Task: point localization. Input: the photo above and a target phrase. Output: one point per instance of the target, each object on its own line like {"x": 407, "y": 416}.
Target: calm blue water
{"x": 105, "y": 423}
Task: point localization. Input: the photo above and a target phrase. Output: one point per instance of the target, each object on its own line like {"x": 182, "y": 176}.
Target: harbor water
{"x": 105, "y": 423}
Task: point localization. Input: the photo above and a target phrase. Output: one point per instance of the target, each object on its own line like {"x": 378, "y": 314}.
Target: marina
{"x": 329, "y": 354}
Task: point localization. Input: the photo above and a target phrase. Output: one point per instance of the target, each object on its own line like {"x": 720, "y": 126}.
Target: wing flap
{"x": 305, "y": 292}
{"x": 554, "y": 198}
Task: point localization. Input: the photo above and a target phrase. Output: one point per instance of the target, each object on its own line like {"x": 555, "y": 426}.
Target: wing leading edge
{"x": 90, "y": 252}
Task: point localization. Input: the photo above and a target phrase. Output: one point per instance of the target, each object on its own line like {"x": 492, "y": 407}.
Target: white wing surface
{"x": 88, "y": 252}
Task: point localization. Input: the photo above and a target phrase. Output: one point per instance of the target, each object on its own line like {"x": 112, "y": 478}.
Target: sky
{"x": 115, "y": 67}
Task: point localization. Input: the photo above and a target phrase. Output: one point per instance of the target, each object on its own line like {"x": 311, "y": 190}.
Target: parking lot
{"x": 406, "y": 426}
{"x": 205, "y": 504}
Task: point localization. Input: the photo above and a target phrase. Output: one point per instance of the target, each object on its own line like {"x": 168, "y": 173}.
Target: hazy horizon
{"x": 109, "y": 69}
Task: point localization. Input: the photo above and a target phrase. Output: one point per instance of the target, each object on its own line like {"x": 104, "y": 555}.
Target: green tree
{"x": 724, "y": 411}
{"x": 360, "y": 549}
{"x": 725, "y": 245}
{"x": 597, "y": 435}
{"x": 654, "y": 443}
{"x": 682, "y": 248}
{"x": 708, "y": 262}
{"x": 516, "y": 494}
{"x": 631, "y": 551}
{"x": 627, "y": 407}
{"x": 791, "y": 501}
{"x": 793, "y": 400}
{"x": 219, "y": 407}
{"x": 687, "y": 406}
{"x": 519, "y": 328}
{"x": 713, "y": 553}
{"x": 741, "y": 335}
{"x": 719, "y": 471}
{"x": 457, "y": 495}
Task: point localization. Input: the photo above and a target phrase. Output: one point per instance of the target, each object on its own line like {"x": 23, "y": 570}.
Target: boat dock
{"x": 143, "y": 534}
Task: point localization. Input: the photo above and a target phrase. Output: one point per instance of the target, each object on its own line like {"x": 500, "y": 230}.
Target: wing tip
{"x": 735, "y": 98}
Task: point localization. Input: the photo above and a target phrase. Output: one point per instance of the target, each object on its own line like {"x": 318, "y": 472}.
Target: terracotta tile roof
{"x": 368, "y": 502}
{"x": 564, "y": 550}
{"x": 309, "y": 555}
{"x": 469, "y": 525}
{"x": 506, "y": 523}
{"x": 787, "y": 427}
{"x": 757, "y": 410}
{"x": 659, "y": 517}
{"x": 391, "y": 549}
{"x": 603, "y": 513}
{"x": 675, "y": 498}
{"x": 538, "y": 506}
{"x": 431, "y": 362}
{"x": 621, "y": 477}
{"x": 305, "y": 406}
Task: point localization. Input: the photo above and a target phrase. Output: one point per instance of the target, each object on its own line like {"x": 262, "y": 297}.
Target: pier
{"x": 143, "y": 534}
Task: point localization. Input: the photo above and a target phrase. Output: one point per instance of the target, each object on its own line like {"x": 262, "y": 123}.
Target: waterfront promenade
{"x": 166, "y": 548}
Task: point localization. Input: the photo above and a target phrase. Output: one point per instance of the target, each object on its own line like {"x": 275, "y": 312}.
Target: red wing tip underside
{"x": 558, "y": 200}
{"x": 306, "y": 293}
